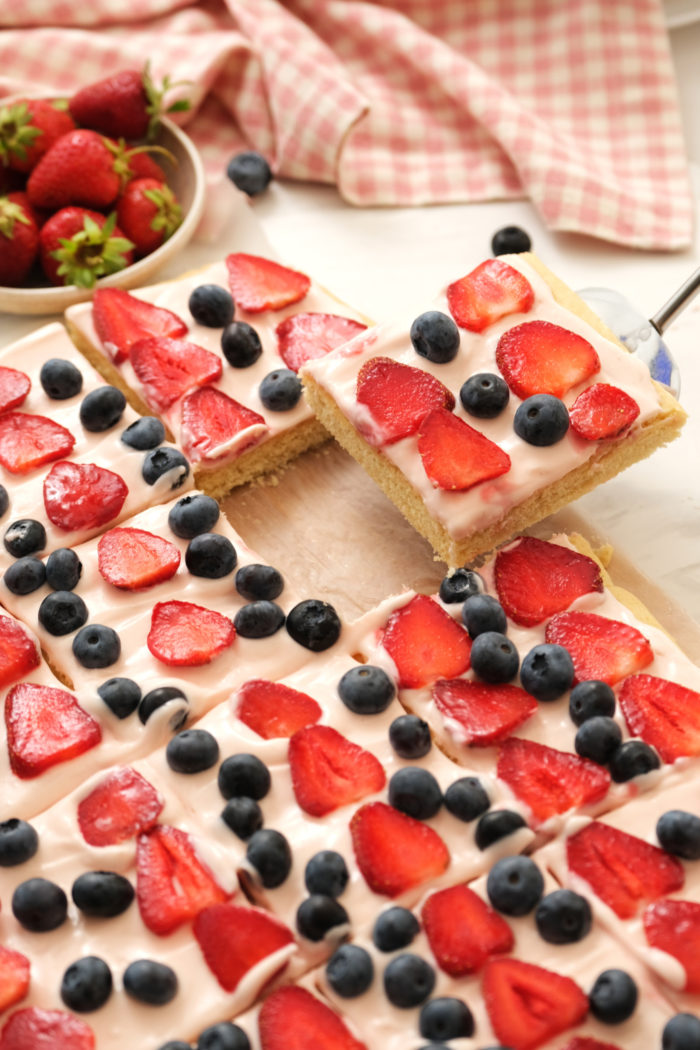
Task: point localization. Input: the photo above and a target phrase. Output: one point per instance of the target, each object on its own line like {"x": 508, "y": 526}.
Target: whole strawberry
{"x": 124, "y": 105}
{"x": 19, "y": 238}
{"x": 28, "y": 128}
{"x": 81, "y": 168}
{"x": 76, "y": 246}
{"x": 148, "y": 213}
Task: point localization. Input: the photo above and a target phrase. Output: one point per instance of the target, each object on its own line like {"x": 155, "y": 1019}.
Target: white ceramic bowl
{"x": 186, "y": 179}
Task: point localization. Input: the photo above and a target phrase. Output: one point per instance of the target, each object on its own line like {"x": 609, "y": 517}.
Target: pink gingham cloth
{"x": 404, "y": 102}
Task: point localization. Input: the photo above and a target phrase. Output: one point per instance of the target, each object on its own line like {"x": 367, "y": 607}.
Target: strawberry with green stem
{"x": 28, "y": 128}
{"x": 148, "y": 213}
{"x": 19, "y": 238}
{"x": 127, "y": 104}
{"x": 76, "y": 246}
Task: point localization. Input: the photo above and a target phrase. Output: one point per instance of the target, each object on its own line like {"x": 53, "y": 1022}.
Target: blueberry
{"x": 175, "y": 1044}
{"x": 165, "y": 694}
{"x": 25, "y": 575}
{"x": 150, "y": 982}
{"x": 280, "y": 390}
{"x": 515, "y": 885}
{"x": 395, "y": 928}
{"x": 240, "y": 344}
{"x": 598, "y": 739}
{"x": 510, "y": 240}
{"x": 211, "y": 305}
{"x": 445, "y": 1018}
{"x": 223, "y": 1036}
{"x": 435, "y": 336}
{"x": 416, "y": 792}
{"x": 632, "y": 759}
{"x": 121, "y": 695}
{"x": 541, "y": 420}
{"x": 318, "y": 914}
{"x": 259, "y": 619}
{"x": 269, "y": 853}
{"x": 24, "y": 536}
{"x": 102, "y": 409}
{"x": 96, "y": 645}
{"x": 613, "y": 997}
{"x": 678, "y": 832}
{"x": 63, "y": 569}
{"x": 249, "y": 172}
{"x": 496, "y": 825}
{"x": 314, "y": 624}
{"x": 327, "y": 873}
{"x": 60, "y": 379}
{"x": 39, "y": 905}
{"x": 4, "y": 500}
{"x": 494, "y": 658}
{"x": 192, "y": 751}
{"x": 86, "y": 984}
{"x": 244, "y": 775}
{"x": 210, "y": 555}
{"x": 18, "y": 842}
{"x": 162, "y": 461}
{"x": 408, "y": 981}
{"x": 563, "y": 917}
{"x": 144, "y": 434}
{"x": 589, "y": 699}
{"x": 484, "y": 395}
{"x": 62, "y": 612}
{"x": 102, "y": 894}
{"x": 460, "y": 585}
{"x": 466, "y": 799}
{"x": 366, "y": 690}
{"x": 193, "y": 515}
{"x": 243, "y": 816}
{"x": 350, "y": 971}
{"x": 410, "y": 736}
{"x": 547, "y": 672}
{"x": 682, "y": 1032}
{"x": 482, "y": 613}
{"x": 259, "y": 582}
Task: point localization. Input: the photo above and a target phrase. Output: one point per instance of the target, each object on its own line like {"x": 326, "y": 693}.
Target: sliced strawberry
{"x": 674, "y": 927}
{"x": 14, "y": 387}
{"x": 539, "y": 357}
{"x": 455, "y": 456}
{"x": 394, "y": 852}
{"x": 663, "y": 713}
{"x": 122, "y": 805}
{"x": 186, "y": 635}
{"x": 584, "y": 1042}
{"x": 484, "y": 714}
{"x": 14, "y": 977}
{"x": 172, "y": 884}
{"x": 304, "y": 337}
{"x": 527, "y": 1005}
{"x": 121, "y": 320}
{"x": 19, "y": 654}
{"x": 603, "y": 649}
{"x": 168, "y": 368}
{"x": 602, "y": 411}
{"x": 80, "y": 496}
{"x": 211, "y": 421}
{"x": 273, "y": 710}
{"x": 45, "y": 726}
{"x": 492, "y": 291}
{"x": 550, "y": 781}
{"x": 134, "y": 559}
{"x": 294, "y": 1019}
{"x": 27, "y": 441}
{"x": 234, "y": 939}
{"x": 259, "y": 284}
{"x": 624, "y": 871}
{"x": 535, "y": 579}
{"x": 463, "y": 930}
{"x": 398, "y": 397}
{"x": 425, "y": 643}
{"x": 329, "y": 771}
{"x": 35, "y": 1029}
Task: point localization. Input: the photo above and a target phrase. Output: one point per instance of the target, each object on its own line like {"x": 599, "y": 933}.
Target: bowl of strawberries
{"x": 99, "y": 189}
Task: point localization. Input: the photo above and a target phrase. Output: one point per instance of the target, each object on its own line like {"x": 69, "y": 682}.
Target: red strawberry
{"x": 394, "y": 852}
{"x": 602, "y": 411}
{"x": 492, "y": 291}
{"x": 212, "y": 421}
{"x": 294, "y": 1019}
{"x": 234, "y": 939}
{"x": 27, "y": 441}
{"x": 463, "y": 930}
{"x": 663, "y": 713}
{"x": 81, "y": 496}
{"x": 14, "y": 977}
{"x": 143, "y": 166}
{"x": 329, "y": 771}
{"x": 273, "y": 710}
{"x": 168, "y": 368}
{"x": 122, "y": 805}
{"x": 121, "y": 320}
{"x": 28, "y": 128}
{"x": 535, "y": 579}
{"x": 485, "y": 714}
{"x": 14, "y": 387}
{"x": 624, "y": 871}
{"x": 674, "y": 927}
{"x": 304, "y": 337}
{"x": 148, "y": 213}
{"x": 259, "y": 284}
{"x": 527, "y": 1005}
{"x": 186, "y": 635}
{"x": 81, "y": 167}
{"x": 19, "y": 238}
{"x": 550, "y": 781}
{"x": 19, "y": 653}
{"x": 605, "y": 649}
{"x": 45, "y": 726}
{"x": 125, "y": 105}
{"x": 584, "y": 1042}
{"x": 36, "y": 1029}
{"x": 425, "y": 643}
{"x": 135, "y": 559}
{"x": 76, "y": 246}
{"x": 456, "y": 456}
{"x": 398, "y": 398}
{"x": 539, "y": 357}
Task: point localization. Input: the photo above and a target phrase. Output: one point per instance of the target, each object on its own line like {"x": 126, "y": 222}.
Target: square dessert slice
{"x": 227, "y": 388}
{"x": 503, "y": 401}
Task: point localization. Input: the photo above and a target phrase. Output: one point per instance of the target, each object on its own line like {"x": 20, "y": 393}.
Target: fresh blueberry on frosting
{"x": 445, "y": 1018}
{"x": 244, "y": 775}
{"x": 494, "y": 657}
{"x": 24, "y": 536}
{"x": 395, "y": 928}
{"x": 259, "y": 619}
{"x": 314, "y": 624}
{"x": 193, "y": 515}
{"x": 164, "y": 694}
{"x": 240, "y": 344}
{"x": 192, "y": 751}
{"x": 547, "y": 672}
{"x": 96, "y": 646}
{"x": 541, "y": 420}
{"x": 497, "y": 825}
{"x": 481, "y": 613}
{"x": 39, "y": 905}
{"x": 211, "y": 305}
{"x": 460, "y": 585}
{"x": 258, "y": 582}
{"x": 121, "y": 695}
{"x": 162, "y": 461}
{"x": 366, "y": 690}
{"x": 25, "y": 575}
{"x": 613, "y": 997}
{"x": 60, "y": 379}
{"x": 598, "y": 739}
{"x": 416, "y": 792}
{"x": 589, "y": 699}
{"x": 87, "y": 984}
{"x": 4, "y": 500}
{"x": 101, "y": 409}
{"x": 515, "y": 885}
{"x": 563, "y": 917}
{"x": 410, "y": 736}
{"x": 633, "y": 759}
{"x": 408, "y": 980}
{"x": 326, "y": 873}
{"x": 678, "y": 832}
{"x": 280, "y": 390}
{"x": 150, "y": 982}
{"x": 62, "y": 612}
{"x": 467, "y": 799}
{"x": 102, "y": 894}
{"x": 269, "y": 853}
{"x": 319, "y": 914}
{"x": 223, "y": 1036}
{"x": 63, "y": 569}
{"x": 350, "y": 971}
{"x": 144, "y": 434}
{"x": 243, "y": 816}
{"x": 435, "y": 336}
{"x": 484, "y": 395}
{"x": 18, "y": 842}
{"x": 210, "y": 555}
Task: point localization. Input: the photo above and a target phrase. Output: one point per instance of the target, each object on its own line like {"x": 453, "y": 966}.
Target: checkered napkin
{"x": 405, "y": 102}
